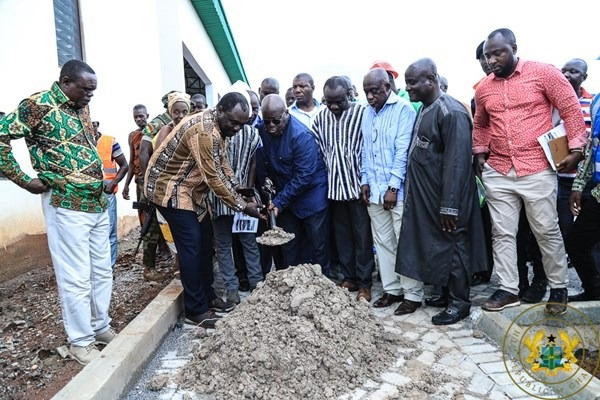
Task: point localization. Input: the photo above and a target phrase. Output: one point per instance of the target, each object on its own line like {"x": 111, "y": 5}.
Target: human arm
{"x": 303, "y": 160}
{"x": 16, "y": 125}
{"x": 401, "y": 143}
{"x": 130, "y": 171}
{"x": 455, "y": 132}
{"x": 481, "y": 134}
{"x": 122, "y": 171}
{"x": 365, "y": 189}
{"x": 563, "y": 98}
{"x": 145, "y": 154}
{"x": 202, "y": 146}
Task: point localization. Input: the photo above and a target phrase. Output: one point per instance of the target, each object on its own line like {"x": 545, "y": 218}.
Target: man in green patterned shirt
{"x": 59, "y": 134}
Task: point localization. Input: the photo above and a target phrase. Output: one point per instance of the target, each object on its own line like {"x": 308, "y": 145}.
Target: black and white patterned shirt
{"x": 341, "y": 141}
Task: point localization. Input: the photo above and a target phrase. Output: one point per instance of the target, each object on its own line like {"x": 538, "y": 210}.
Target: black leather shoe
{"x": 449, "y": 316}
{"x": 535, "y": 293}
{"x": 437, "y": 301}
{"x": 407, "y": 307}
{"x": 244, "y": 285}
{"x": 479, "y": 279}
{"x": 585, "y": 296}
{"x": 557, "y": 302}
{"x": 387, "y": 300}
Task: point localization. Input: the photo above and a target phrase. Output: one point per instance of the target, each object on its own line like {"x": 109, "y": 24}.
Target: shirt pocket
{"x": 286, "y": 163}
{"x": 422, "y": 151}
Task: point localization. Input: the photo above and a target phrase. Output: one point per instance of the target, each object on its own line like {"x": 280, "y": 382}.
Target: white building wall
{"x": 136, "y": 48}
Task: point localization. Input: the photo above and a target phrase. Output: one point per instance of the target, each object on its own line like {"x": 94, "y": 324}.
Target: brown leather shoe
{"x": 364, "y": 293}
{"x": 407, "y": 307}
{"x": 500, "y": 300}
{"x": 387, "y": 300}
{"x": 351, "y": 286}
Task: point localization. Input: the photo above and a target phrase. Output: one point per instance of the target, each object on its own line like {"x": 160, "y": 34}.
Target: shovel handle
{"x": 272, "y": 219}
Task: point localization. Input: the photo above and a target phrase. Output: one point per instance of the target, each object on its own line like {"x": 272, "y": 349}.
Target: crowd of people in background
{"x": 412, "y": 187}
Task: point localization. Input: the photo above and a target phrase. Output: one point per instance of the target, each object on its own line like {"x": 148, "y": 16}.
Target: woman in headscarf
{"x": 178, "y": 107}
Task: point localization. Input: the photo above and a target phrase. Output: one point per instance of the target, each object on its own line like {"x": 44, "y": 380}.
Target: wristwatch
{"x": 392, "y": 189}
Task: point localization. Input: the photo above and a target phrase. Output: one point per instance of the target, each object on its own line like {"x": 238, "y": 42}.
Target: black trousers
{"x": 311, "y": 243}
{"x": 353, "y": 243}
{"x": 584, "y": 234}
{"x": 194, "y": 242}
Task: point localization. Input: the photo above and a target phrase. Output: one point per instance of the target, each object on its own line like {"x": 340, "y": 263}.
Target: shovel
{"x": 274, "y": 236}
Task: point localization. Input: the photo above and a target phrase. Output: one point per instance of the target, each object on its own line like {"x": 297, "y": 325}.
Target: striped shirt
{"x": 341, "y": 142}
{"x": 240, "y": 150}
{"x": 190, "y": 162}
{"x": 387, "y": 135}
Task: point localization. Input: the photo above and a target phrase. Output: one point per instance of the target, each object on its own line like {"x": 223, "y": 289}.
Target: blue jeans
{"x": 112, "y": 215}
{"x": 223, "y": 243}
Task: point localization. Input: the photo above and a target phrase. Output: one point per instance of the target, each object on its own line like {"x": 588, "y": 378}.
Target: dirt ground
{"x": 31, "y": 326}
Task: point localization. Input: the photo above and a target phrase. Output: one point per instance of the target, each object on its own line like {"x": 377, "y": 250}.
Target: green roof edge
{"x": 215, "y": 23}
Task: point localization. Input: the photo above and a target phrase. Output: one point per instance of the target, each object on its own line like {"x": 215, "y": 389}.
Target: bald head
{"x": 575, "y": 71}
{"x": 443, "y": 84}
{"x": 275, "y": 114}
{"x": 422, "y": 81}
{"x": 377, "y": 75}
{"x": 376, "y": 85}
{"x": 273, "y": 104}
{"x": 268, "y": 86}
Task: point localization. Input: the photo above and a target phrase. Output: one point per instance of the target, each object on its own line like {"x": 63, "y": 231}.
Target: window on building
{"x": 68, "y": 33}
{"x": 193, "y": 83}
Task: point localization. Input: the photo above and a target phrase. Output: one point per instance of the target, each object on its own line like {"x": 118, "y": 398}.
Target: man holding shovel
{"x": 293, "y": 162}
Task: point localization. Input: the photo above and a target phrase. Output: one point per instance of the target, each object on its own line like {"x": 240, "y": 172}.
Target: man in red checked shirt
{"x": 513, "y": 108}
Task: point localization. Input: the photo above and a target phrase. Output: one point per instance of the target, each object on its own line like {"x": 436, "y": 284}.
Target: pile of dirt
{"x": 275, "y": 237}
{"x": 297, "y": 336}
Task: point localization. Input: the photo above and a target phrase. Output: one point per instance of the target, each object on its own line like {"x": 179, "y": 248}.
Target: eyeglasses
{"x": 274, "y": 121}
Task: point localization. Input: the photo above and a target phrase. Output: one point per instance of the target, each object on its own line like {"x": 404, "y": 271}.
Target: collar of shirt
{"x": 61, "y": 97}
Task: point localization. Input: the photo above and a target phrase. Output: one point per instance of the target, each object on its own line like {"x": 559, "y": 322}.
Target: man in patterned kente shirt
{"x": 58, "y": 131}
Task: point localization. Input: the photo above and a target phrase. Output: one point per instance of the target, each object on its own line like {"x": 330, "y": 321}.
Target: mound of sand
{"x": 298, "y": 336}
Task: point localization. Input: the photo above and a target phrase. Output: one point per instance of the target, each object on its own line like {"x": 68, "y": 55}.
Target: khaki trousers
{"x": 537, "y": 193}
{"x": 385, "y": 225}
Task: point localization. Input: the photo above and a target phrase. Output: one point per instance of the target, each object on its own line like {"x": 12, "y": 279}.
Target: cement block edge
{"x": 109, "y": 376}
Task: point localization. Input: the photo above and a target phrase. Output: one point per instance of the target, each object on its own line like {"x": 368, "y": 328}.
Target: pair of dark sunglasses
{"x": 274, "y": 121}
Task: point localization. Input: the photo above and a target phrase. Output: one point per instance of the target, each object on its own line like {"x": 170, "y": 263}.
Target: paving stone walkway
{"x": 444, "y": 362}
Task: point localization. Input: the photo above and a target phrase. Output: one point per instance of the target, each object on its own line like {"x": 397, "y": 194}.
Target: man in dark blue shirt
{"x": 292, "y": 160}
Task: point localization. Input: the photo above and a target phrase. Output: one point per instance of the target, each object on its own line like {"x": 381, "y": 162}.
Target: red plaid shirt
{"x": 512, "y": 113}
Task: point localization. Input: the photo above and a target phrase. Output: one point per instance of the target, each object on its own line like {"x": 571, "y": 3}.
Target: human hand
{"x": 273, "y": 208}
{"x": 478, "y": 163}
{"x": 126, "y": 193}
{"x": 109, "y": 188}
{"x": 253, "y": 210}
{"x": 448, "y": 222}
{"x": 389, "y": 200}
{"x": 575, "y": 203}
{"x": 365, "y": 194}
{"x": 570, "y": 162}
{"x": 36, "y": 186}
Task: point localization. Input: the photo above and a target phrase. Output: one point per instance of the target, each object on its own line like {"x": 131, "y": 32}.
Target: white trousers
{"x": 80, "y": 249}
{"x": 537, "y": 192}
{"x": 385, "y": 226}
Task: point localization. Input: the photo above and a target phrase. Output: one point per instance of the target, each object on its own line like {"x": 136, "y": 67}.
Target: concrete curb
{"x": 496, "y": 324}
{"x": 108, "y": 376}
